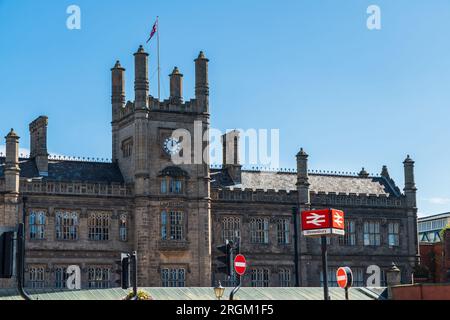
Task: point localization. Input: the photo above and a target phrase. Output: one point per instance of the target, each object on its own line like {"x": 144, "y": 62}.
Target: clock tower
{"x": 172, "y": 218}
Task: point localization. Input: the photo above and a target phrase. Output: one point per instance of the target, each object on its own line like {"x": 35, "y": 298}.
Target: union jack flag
{"x": 154, "y": 30}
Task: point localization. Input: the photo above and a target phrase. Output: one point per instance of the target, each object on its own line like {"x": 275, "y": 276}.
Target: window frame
{"x": 285, "y": 278}
{"x": 372, "y": 236}
{"x": 36, "y": 277}
{"x": 99, "y": 282}
{"x": 284, "y": 231}
{"x": 99, "y": 226}
{"x": 37, "y": 227}
{"x": 71, "y": 227}
{"x": 231, "y": 228}
{"x": 260, "y": 277}
{"x": 173, "y": 225}
{"x": 259, "y": 235}
{"x": 350, "y": 238}
{"x": 169, "y": 281}
{"x": 123, "y": 227}
{"x": 394, "y": 233}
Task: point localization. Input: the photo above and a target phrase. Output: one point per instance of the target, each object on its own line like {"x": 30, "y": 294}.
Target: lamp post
{"x": 219, "y": 291}
{"x": 295, "y": 213}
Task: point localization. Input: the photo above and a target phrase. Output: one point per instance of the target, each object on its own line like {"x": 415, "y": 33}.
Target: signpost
{"x": 240, "y": 264}
{"x": 344, "y": 278}
{"x": 323, "y": 223}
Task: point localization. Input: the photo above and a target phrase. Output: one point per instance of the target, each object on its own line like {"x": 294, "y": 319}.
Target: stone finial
{"x": 141, "y": 49}
{"x": 201, "y": 56}
{"x": 118, "y": 66}
{"x": 302, "y": 153}
{"x": 175, "y": 71}
{"x": 12, "y": 134}
{"x": 363, "y": 173}
{"x": 385, "y": 172}
{"x": 408, "y": 159}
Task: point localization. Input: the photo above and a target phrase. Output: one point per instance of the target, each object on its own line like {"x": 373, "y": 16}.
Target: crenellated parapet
{"x": 258, "y": 195}
{"x": 317, "y": 198}
{"x": 357, "y": 200}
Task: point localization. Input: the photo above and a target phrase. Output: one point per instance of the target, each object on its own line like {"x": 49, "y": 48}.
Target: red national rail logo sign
{"x": 323, "y": 222}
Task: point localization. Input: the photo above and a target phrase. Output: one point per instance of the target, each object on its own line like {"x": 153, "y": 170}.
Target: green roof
{"x": 246, "y": 293}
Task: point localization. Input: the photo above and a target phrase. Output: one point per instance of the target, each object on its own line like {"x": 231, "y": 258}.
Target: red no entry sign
{"x": 344, "y": 277}
{"x": 240, "y": 264}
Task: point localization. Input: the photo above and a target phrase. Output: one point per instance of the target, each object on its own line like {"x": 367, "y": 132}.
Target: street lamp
{"x": 218, "y": 291}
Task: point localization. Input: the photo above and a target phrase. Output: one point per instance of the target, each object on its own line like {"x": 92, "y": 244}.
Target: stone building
{"x": 85, "y": 213}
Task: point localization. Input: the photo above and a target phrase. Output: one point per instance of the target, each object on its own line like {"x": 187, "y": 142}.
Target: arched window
{"x": 123, "y": 227}
{"x": 66, "y": 224}
{"x": 99, "y": 226}
{"x": 37, "y": 222}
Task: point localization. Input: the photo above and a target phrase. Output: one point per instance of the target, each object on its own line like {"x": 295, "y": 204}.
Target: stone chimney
{"x": 38, "y": 144}
{"x": 176, "y": 86}
{"x": 12, "y": 170}
{"x": 410, "y": 185}
{"x": 201, "y": 83}
{"x": 141, "y": 83}
{"x": 118, "y": 90}
{"x": 302, "y": 178}
{"x": 230, "y": 153}
{"x": 118, "y": 103}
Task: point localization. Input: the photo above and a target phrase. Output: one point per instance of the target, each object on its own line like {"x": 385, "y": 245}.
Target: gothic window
{"x": 172, "y": 225}
{"x": 259, "y": 230}
{"x": 332, "y": 281}
{"x": 231, "y": 228}
{"x": 36, "y": 277}
{"x": 349, "y": 239}
{"x": 66, "y": 225}
{"x": 127, "y": 147}
{"x": 37, "y": 222}
{"x": 260, "y": 278}
{"x": 372, "y": 233}
{"x": 99, "y": 277}
{"x": 172, "y": 277}
{"x": 171, "y": 185}
{"x": 393, "y": 234}
{"x": 358, "y": 277}
{"x": 99, "y": 226}
{"x": 284, "y": 278}
{"x": 61, "y": 277}
{"x": 283, "y": 231}
{"x": 123, "y": 228}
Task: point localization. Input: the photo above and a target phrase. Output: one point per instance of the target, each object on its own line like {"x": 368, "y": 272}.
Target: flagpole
{"x": 159, "y": 69}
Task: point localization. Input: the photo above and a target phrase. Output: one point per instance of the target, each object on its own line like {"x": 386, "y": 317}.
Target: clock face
{"x": 172, "y": 146}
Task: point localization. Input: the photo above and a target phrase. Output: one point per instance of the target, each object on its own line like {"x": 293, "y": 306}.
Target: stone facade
{"x": 86, "y": 213}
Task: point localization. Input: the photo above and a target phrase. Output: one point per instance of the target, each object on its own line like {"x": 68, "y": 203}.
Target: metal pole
{"x": 346, "y": 294}
{"x": 236, "y": 289}
{"x": 325, "y": 268}
{"x": 21, "y": 254}
{"x": 297, "y": 278}
{"x": 159, "y": 68}
{"x": 134, "y": 273}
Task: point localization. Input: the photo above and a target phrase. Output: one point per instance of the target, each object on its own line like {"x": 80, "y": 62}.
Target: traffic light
{"x": 124, "y": 271}
{"x": 226, "y": 259}
{"x": 6, "y": 255}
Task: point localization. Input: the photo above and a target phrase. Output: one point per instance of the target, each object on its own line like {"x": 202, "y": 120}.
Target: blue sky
{"x": 350, "y": 96}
